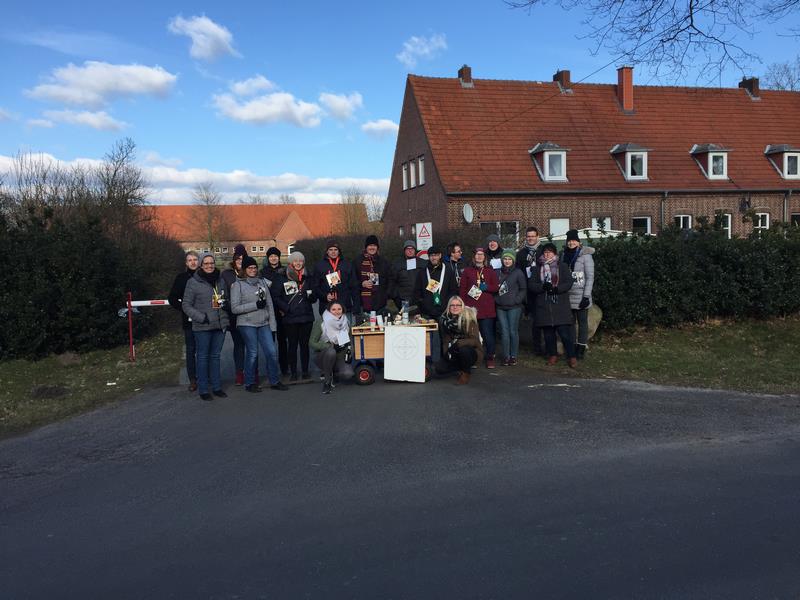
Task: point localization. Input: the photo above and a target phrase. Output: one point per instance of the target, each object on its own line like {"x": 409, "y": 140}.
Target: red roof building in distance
{"x": 506, "y": 155}
{"x": 258, "y": 226}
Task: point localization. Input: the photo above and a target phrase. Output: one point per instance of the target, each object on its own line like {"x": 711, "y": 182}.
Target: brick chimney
{"x": 465, "y": 76}
{"x": 562, "y": 78}
{"x": 751, "y": 85}
{"x": 625, "y": 88}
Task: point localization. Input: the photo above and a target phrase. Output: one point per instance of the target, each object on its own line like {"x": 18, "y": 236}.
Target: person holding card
{"x": 461, "y": 342}
{"x": 494, "y": 252}
{"x": 527, "y": 258}
{"x": 330, "y": 339}
{"x": 551, "y": 282}
{"x": 233, "y": 273}
{"x": 435, "y": 283}
{"x": 404, "y": 274}
{"x": 294, "y": 296}
{"x": 509, "y": 300}
{"x": 334, "y": 281}
{"x": 372, "y": 273}
{"x": 271, "y": 271}
{"x": 579, "y": 260}
{"x": 478, "y": 284}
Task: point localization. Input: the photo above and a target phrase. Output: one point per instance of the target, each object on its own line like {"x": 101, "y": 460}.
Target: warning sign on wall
{"x": 424, "y": 236}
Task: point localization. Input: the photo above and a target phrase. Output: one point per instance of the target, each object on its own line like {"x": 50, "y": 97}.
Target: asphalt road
{"x": 512, "y": 488}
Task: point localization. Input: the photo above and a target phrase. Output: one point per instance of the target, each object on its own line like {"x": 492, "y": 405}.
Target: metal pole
{"x": 132, "y": 352}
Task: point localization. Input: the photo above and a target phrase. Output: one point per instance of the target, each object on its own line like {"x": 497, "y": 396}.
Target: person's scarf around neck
{"x": 294, "y": 275}
{"x": 570, "y": 256}
{"x": 332, "y": 326}
{"x": 210, "y": 278}
{"x": 548, "y": 270}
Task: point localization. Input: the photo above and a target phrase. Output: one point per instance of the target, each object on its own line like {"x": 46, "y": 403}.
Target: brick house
{"x": 257, "y": 226}
{"x": 505, "y": 155}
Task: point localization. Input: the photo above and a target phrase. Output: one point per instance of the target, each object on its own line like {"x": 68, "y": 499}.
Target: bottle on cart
{"x": 373, "y": 320}
{"x": 405, "y": 312}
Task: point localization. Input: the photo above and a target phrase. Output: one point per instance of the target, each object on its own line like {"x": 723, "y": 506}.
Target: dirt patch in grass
{"x": 35, "y": 393}
{"x": 753, "y": 356}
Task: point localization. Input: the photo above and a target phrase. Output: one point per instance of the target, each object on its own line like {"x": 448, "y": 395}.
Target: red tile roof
{"x": 480, "y": 136}
{"x": 252, "y": 222}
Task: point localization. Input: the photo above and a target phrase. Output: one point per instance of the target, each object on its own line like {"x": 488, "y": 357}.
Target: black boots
{"x": 580, "y": 351}
{"x": 327, "y": 386}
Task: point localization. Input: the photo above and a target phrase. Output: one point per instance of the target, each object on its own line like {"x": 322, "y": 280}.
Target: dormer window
{"x": 785, "y": 159}
{"x": 712, "y": 159}
{"x": 550, "y": 160}
{"x": 632, "y": 161}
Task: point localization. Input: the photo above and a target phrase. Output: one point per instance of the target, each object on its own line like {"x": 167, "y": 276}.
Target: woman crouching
{"x": 330, "y": 339}
{"x": 458, "y": 327}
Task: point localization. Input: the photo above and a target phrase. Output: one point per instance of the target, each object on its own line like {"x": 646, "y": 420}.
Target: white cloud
{"x": 5, "y": 115}
{"x": 155, "y": 159}
{"x": 75, "y": 43}
{"x": 96, "y": 120}
{"x": 416, "y": 48}
{"x": 380, "y": 129}
{"x": 40, "y": 123}
{"x": 341, "y": 107}
{"x": 96, "y": 83}
{"x": 209, "y": 40}
{"x": 251, "y": 86}
{"x": 173, "y": 185}
{"x": 269, "y": 108}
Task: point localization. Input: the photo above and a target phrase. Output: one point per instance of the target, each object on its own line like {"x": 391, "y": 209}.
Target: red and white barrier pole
{"x": 131, "y": 304}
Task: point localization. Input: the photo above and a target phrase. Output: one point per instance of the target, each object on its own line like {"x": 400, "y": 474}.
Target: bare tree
{"x": 209, "y": 219}
{"x": 255, "y": 199}
{"x": 374, "y": 205}
{"x": 783, "y": 76}
{"x": 286, "y": 199}
{"x": 354, "y": 211}
{"x": 672, "y": 37}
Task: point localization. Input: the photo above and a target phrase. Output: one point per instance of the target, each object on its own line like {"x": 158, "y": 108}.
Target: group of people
{"x": 474, "y": 301}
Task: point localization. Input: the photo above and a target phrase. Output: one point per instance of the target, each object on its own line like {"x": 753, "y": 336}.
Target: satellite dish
{"x": 467, "y": 212}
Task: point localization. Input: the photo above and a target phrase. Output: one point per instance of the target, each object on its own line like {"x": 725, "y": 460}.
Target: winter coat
{"x": 175, "y": 297}
{"x": 516, "y": 289}
{"x": 582, "y": 276}
{"x": 244, "y": 295}
{"x": 296, "y": 308}
{"x": 197, "y": 298}
{"x": 404, "y": 279}
{"x": 379, "y": 293}
{"x": 549, "y": 313}
{"x": 424, "y": 299}
{"x": 316, "y": 342}
{"x": 471, "y": 339}
{"x": 457, "y": 268}
{"x": 347, "y": 292}
{"x": 526, "y": 258}
{"x": 497, "y": 254}
{"x": 485, "y": 304}
{"x": 230, "y": 277}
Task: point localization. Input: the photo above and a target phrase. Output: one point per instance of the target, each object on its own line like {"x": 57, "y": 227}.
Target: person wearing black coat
{"x": 293, "y": 295}
{"x": 373, "y": 273}
{"x": 494, "y": 252}
{"x": 551, "y": 282}
{"x": 334, "y": 279}
{"x": 271, "y": 270}
{"x": 404, "y": 274}
{"x": 527, "y": 258}
{"x": 230, "y": 276}
{"x": 434, "y": 285}
{"x": 175, "y": 299}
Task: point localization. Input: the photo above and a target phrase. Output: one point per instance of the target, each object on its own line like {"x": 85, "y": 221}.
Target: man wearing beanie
{"x": 527, "y": 258}
{"x": 433, "y": 288}
{"x": 175, "y": 299}
{"x": 272, "y": 270}
{"x": 334, "y": 280}
{"x": 230, "y": 276}
{"x": 372, "y": 273}
{"x": 404, "y": 274}
{"x": 494, "y": 252}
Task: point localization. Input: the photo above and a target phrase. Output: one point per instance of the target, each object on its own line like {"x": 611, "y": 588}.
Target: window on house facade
{"x": 261, "y": 248}
{"x": 683, "y": 221}
{"x": 717, "y": 165}
{"x": 640, "y": 225}
{"x": 555, "y": 166}
{"x": 794, "y": 219}
{"x": 507, "y": 230}
{"x": 725, "y": 223}
{"x": 216, "y": 250}
{"x": 400, "y": 231}
{"x": 559, "y": 226}
{"x": 412, "y": 174}
{"x": 224, "y": 249}
{"x": 414, "y": 230}
{"x": 205, "y": 249}
{"x": 252, "y": 248}
{"x": 636, "y": 165}
{"x": 604, "y": 221}
{"x": 405, "y": 176}
{"x": 761, "y": 221}
{"x": 791, "y": 165}
{"x": 421, "y": 170}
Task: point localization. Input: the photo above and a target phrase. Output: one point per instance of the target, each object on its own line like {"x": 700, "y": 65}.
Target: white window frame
{"x": 727, "y": 226}
{"x": 412, "y": 174}
{"x": 216, "y": 250}
{"x": 606, "y": 223}
{"x": 421, "y": 170}
{"x": 405, "y": 176}
{"x": 261, "y": 248}
{"x": 710, "y": 165}
{"x": 400, "y": 231}
{"x": 224, "y": 249}
{"x": 546, "y": 164}
{"x": 687, "y": 218}
{"x": 628, "y": 159}
{"x": 761, "y": 221}
{"x": 252, "y": 248}
{"x": 649, "y": 224}
{"x": 786, "y": 174}
{"x": 557, "y": 219}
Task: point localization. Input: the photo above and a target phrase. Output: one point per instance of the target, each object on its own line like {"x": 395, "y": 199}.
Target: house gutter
{"x": 503, "y": 194}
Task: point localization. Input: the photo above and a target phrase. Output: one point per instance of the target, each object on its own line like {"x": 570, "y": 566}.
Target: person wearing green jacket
{"x": 330, "y": 340}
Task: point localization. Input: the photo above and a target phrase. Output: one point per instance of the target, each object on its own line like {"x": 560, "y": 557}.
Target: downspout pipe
{"x": 661, "y": 216}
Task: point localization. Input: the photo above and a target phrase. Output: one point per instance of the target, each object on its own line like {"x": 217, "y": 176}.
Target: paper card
{"x": 342, "y": 338}
{"x": 290, "y": 287}
{"x": 474, "y": 292}
{"x": 578, "y": 278}
{"x": 333, "y": 278}
{"x": 496, "y": 263}
{"x": 503, "y": 289}
{"x": 433, "y": 286}
{"x": 404, "y": 354}
{"x": 528, "y": 272}
{"x": 375, "y": 278}
{"x": 411, "y": 264}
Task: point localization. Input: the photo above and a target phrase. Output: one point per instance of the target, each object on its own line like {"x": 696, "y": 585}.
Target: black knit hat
{"x": 239, "y": 250}
{"x": 434, "y": 250}
{"x": 249, "y": 261}
{"x": 372, "y": 239}
{"x": 332, "y": 243}
{"x": 273, "y": 250}
{"x": 572, "y": 234}
{"x": 551, "y": 247}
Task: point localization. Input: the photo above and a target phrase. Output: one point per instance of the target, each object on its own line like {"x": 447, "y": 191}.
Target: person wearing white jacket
{"x": 580, "y": 261}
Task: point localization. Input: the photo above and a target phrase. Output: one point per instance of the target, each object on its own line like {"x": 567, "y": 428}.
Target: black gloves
{"x": 584, "y": 303}
{"x": 555, "y": 289}
{"x": 547, "y": 286}
{"x": 261, "y": 304}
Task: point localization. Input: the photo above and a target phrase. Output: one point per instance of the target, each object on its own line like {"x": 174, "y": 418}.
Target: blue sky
{"x": 298, "y": 98}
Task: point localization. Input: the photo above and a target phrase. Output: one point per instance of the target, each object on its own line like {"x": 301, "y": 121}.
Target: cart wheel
{"x": 365, "y": 375}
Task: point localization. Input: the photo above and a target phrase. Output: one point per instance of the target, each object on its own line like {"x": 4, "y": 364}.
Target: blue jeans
{"x": 486, "y": 327}
{"x": 238, "y": 348}
{"x": 508, "y": 319}
{"x": 253, "y": 338}
{"x": 209, "y": 346}
{"x": 191, "y": 354}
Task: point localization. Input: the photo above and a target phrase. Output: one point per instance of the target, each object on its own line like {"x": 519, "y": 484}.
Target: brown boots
{"x": 463, "y": 378}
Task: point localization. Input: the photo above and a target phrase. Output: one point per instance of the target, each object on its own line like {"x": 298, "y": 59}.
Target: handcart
{"x": 368, "y": 348}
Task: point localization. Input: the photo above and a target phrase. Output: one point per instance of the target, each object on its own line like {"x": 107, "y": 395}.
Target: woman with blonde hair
{"x": 461, "y": 341}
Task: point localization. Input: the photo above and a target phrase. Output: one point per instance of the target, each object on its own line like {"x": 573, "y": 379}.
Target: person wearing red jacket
{"x": 478, "y": 284}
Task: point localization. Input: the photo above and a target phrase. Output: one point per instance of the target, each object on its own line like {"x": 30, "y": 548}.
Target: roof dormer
{"x": 550, "y": 161}
{"x": 785, "y": 159}
{"x": 712, "y": 160}
{"x": 631, "y": 160}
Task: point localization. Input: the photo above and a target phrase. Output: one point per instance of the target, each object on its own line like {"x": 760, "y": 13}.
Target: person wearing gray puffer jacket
{"x": 580, "y": 261}
{"x": 251, "y": 302}
{"x": 203, "y": 302}
{"x": 508, "y": 301}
